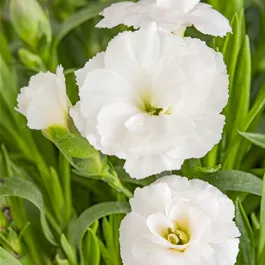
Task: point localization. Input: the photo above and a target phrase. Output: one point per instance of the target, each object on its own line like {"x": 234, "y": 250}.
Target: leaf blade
{"x": 18, "y": 187}
{"x": 247, "y": 240}
{"x": 255, "y": 138}
{"x": 95, "y": 212}
{"x": 7, "y": 259}
{"x": 235, "y": 180}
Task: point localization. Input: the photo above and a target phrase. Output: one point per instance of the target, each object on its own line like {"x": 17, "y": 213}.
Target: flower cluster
{"x": 154, "y": 99}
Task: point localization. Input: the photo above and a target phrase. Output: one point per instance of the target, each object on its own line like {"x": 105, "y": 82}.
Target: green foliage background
{"x": 54, "y": 214}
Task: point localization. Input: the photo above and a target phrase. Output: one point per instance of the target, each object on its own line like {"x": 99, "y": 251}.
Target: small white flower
{"x": 171, "y": 15}
{"x": 44, "y": 101}
{"x": 153, "y": 99}
{"x": 177, "y": 221}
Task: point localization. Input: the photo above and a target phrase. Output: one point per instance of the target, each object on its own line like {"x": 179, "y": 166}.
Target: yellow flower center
{"x": 177, "y": 237}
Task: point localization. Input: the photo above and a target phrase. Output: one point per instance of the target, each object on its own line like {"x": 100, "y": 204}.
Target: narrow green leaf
{"x": 107, "y": 233}
{"x": 105, "y": 254}
{"x": 7, "y": 259}
{"x": 95, "y": 212}
{"x": 58, "y": 199}
{"x": 247, "y": 241}
{"x": 231, "y": 50}
{"x": 232, "y": 153}
{"x": 47, "y": 231}
{"x": 235, "y": 180}
{"x": 256, "y": 110}
{"x": 78, "y": 18}
{"x": 68, "y": 250}
{"x": 261, "y": 245}
{"x": 18, "y": 187}
{"x": 255, "y": 138}
{"x": 241, "y": 88}
{"x": 89, "y": 249}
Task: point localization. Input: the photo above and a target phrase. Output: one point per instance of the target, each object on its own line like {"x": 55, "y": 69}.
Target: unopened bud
{"x": 31, "y": 23}
{"x": 3, "y": 221}
{"x": 31, "y": 60}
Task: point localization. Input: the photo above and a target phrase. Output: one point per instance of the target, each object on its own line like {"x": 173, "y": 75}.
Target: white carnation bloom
{"x": 171, "y": 15}
{"x": 44, "y": 101}
{"x": 153, "y": 99}
{"x": 179, "y": 222}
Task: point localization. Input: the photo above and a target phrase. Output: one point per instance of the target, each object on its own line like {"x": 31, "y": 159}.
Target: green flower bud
{"x": 14, "y": 241}
{"x": 61, "y": 261}
{"x": 3, "y": 221}
{"x": 31, "y": 60}
{"x": 31, "y": 23}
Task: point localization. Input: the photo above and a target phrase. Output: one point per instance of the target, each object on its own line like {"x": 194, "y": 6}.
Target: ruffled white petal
{"x": 92, "y": 64}
{"x": 44, "y": 101}
{"x": 209, "y": 21}
{"x": 151, "y": 199}
{"x": 226, "y": 252}
{"x": 143, "y": 166}
{"x": 139, "y": 51}
{"x": 115, "y": 139}
{"x": 170, "y": 15}
{"x": 78, "y": 119}
{"x": 114, "y": 14}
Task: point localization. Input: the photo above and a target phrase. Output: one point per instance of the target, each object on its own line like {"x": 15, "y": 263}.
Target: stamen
{"x": 182, "y": 236}
{"x": 173, "y": 239}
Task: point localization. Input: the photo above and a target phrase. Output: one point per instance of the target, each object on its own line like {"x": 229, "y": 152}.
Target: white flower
{"x": 44, "y": 101}
{"x": 153, "y": 99}
{"x": 179, "y": 222}
{"x": 171, "y": 15}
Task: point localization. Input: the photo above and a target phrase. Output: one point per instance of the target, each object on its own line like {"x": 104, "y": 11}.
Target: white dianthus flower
{"x": 44, "y": 101}
{"x": 171, "y": 15}
{"x": 177, "y": 221}
{"x": 153, "y": 99}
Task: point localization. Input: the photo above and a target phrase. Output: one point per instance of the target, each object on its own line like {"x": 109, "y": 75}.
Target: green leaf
{"x": 68, "y": 250}
{"x": 7, "y": 259}
{"x": 95, "y": 212}
{"x": 231, "y": 51}
{"x": 240, "y": 97}
{"x": 255, "y": 138}
{"x": 18, "y": 187}
{"x": 47, "y": 231}
{"x": 78, "y": 18}
{"x": 89, "y": 249}
{"x": 247, "y": 240}
{"x": 235, "y": 180}
{"x": 261, "y": 245}
{"x": 256, "y": 110}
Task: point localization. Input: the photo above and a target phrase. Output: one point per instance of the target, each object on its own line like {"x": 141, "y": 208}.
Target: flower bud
{"x": 44, "y": 101}
{"x": 3, "y": 221}
{"x": 31, "y": 60}
{"x": 14, "y": 240}
{"x": 31, "y": 23}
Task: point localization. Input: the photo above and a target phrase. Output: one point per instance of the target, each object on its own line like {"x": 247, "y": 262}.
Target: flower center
{"x": 153, "y": 111}
{"x": 177, "y": 237}
{"x": 146, "y": 105}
